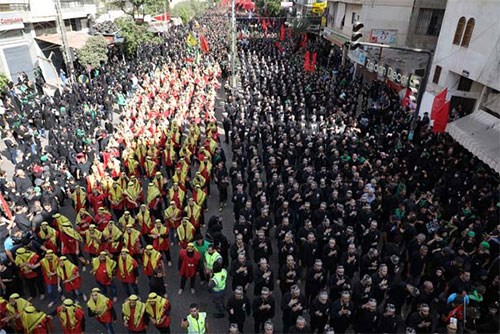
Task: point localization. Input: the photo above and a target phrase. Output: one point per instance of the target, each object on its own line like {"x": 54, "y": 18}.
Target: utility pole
{"x": 233, "y": 47}
{"x": 68, "y": 59}
{"x": 167, "y": 10}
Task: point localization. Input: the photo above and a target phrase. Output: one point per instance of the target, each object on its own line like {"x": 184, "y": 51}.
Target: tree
{"x": 137, "y": 9}
{"x": 4, "y": 81}
{"x": 189, "y": 9}
{"x": 273, "y": 7}
{"x": 94, "y": 51}
{"x": 134, "y": 35}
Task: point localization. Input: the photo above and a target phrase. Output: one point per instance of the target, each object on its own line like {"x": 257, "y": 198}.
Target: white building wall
{"x": 480, "y": 61}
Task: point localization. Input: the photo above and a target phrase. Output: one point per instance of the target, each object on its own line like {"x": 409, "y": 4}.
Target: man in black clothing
{"x": 293, "y": 305}
{"x": 342, "y": 313}
{"x": 421, "y": 320}
{"x": 315, "y": 280}
{"x": 367, "y": 317}
{"x": 238, "y": 307}
{"x": 389, "y": 322}
{"x": 319, "y": 311}
{"x": 242, "y": 272}
{"x": 300, "y": 327}
{"x": 263, "y": 308}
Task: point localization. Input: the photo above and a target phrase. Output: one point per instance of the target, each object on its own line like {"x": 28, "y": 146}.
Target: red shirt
{"x": 31, "y": 274}
{"x": 97, "y": 201}
{"x": 166, "y": 311}
{"x": 101, "y": 275}
{"x": 127, "y": 277}
{"x": 74, "y": 284}
{"x": 69, "y": 244}
{"x": 50, "y": 279}
{"x": 130, "y": 323}
{"x": 106, "y": 318}
{"x": 189, "y": 264}
{"x": 79, "y": 314}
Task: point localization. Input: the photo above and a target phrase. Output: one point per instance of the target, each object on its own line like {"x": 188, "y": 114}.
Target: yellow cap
{"x": 49, "y": 251}
{"x": 125, "y": 250}
{"x": 29, "y": 309}
{"x": 152, "y": 295}
{"x": 14, "y": 296}
{"x": 96, "y": 290}
{"x": 133, "y": 298}
{"x": 68, "y": 302}
{"x": 21, "y": 250}
{"x": 44, "y": 224}
{"x": 149, "y": 247}
{"x": 103, "y": 253}
{"x": 190, "y": 245}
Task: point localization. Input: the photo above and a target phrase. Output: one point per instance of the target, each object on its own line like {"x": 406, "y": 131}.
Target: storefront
{"x": 17, "y": 50}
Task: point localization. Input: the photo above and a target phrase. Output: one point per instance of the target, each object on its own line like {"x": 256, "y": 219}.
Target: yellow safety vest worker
{"x": 220, "y": 279}
{"x": 210, "y": 259}
{"x": 197, "y": 326}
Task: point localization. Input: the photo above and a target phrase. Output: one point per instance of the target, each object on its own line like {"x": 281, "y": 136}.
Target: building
{"x": 467, "y": 63}
{"x": 29, "y": 36}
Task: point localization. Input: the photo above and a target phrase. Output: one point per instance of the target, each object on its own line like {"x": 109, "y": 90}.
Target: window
{"x": 429, "y": 21}
{"x": 464, "y": 84}
{"x": 459, "y": 31}
{"x": 468, "y": 33}
{"x": 437, "y": 74}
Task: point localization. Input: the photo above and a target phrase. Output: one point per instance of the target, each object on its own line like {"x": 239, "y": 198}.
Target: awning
{"x": 479, "y": 133}
{"x": 335, "y": 38}
{"x": 76, "y": 39}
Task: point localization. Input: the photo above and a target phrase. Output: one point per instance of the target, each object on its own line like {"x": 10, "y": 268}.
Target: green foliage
{"x": 273, "y": 7}
{"x": 94, "y": 51}
{"x": 299, "y": 27}
{"x": 138, "y": 8}
{"x": 134, "y": 35}
{"x": 4, "y": 80}
{"x": 186, "y": 10}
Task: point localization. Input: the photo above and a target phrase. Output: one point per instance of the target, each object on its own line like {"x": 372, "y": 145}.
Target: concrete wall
{"x": 417, "y": 40}
{"x": 481, "y": 60}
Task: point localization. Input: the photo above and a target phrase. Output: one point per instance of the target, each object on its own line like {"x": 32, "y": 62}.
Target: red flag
{"x": 307, "y": 66}
{"x": 282, "y": 35}
{"x": 457, "y": 312}
{"x": 225, "y": 2}
{"x": 439, "y": 100}
{"x": 290, "y": 32}
{"x": 204, "y": 44}
{"x": 241, "y": 34}
{"x": 304, "y": 41}
{"x": 441, "y": 118}
{"x": 264, "y": 25}
{"x": 313, "y": 64}
{"x": 406, "y": 98}
{"x": 5, "y": 207}
{"x": 279, "y": 46}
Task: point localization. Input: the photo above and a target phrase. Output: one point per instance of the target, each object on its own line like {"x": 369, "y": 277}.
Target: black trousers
{"x": 191, "y": 282}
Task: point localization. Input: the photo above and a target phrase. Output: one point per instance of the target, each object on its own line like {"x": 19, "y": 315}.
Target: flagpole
{"x": 233, "y": 47}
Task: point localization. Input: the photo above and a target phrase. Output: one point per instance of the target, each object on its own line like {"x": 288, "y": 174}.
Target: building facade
{"x": 467, "y": 63}
{"x": 24, "y": 24}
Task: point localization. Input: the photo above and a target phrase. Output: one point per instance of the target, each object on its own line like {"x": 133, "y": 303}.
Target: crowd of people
{"x": 349, "y": 213}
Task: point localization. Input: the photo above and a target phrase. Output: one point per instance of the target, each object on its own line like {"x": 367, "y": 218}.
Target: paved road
{"x": 180, "y": 304}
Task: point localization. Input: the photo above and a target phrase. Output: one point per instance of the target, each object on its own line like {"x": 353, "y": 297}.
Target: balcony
{"x": 76, "y": 3}
{"x": 14, "y": 6}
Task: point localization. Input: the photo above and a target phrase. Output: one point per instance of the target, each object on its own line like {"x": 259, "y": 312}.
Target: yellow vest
{"x": 220, "y": 279}
{"x": 210, "y": 259}
{"x": 197, "y": 326}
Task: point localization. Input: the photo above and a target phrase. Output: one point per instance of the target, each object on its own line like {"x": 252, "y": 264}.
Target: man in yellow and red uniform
{"x": 134, "y": 313}
{"x": 28, "y": 263}
{"x": 71, "y": 317}
{"x": 158, "y": 309}
{"x": 49, "y": 266}
{"x": 102, "y": 218}
{"x": 131, "y": 241}
{"x": 151, "y": 259}
{"x": 79, "y": 198}
{"x": 112, "y": 238}
{"x": 103, "y": 268}
{"x": 68, "y": 274}
{"x": 35, "y": 322}
{"x": 115, "y": 198}
{"x": 145, "y": 222}
{"x": 93, "y": 241}
{"x": 49, "y": 236}
{"x": 127, "y": 272}
{"x": 159, "y": 234}
{"x": 14, "y": 309}
{"x": 101, "y": 307}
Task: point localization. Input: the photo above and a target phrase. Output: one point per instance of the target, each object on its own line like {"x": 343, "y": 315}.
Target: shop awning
{"x": 335, "y": 38}
{"x": 76, "y": 39}
{"x": 479, "y": 133}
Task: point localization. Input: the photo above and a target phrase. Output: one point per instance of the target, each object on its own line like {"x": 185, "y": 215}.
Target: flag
{"x": 5, "y": 207}
{"x": 307, "y": 66}
{"x": 264, "y": 26}
{"x": 282, "y": 35}
{"x": 241, "y": 34}
{"x": 457, "y": 312}
{"x": 441, "y": 118}
{"x": 191, "y": 40}
{"x": 313, "y": 63}
{"x": 439, "y": 100}
{"x": 224, "y": 3}
{"x": 204, "y": 44}
{"x": 406, "y": 98}
{"x": 279, "y": 46}
{"x": 304, "y": 41}
{"x": 290, "y": 32}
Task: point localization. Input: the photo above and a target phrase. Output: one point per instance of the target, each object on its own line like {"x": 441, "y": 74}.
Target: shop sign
{"x": 387, "y": 71}
{"x": 358, "y": 56}
{"x": 11, "y": 21}
{"x": 382, "y": 36}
